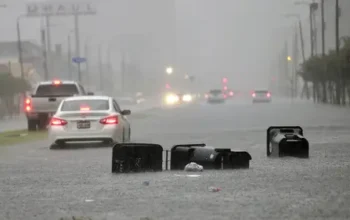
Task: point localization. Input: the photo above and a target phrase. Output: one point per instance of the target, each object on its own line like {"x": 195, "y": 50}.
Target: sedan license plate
{"x": 83, "y": 125}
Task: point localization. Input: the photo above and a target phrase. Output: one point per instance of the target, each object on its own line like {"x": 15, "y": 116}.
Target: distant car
{"x": 139, "y": 98}
{"x": 216, "y": 96}
{"x": 89, "y": 118}
{"x": 261, "y": 96}
{"x": 126, "y": 100}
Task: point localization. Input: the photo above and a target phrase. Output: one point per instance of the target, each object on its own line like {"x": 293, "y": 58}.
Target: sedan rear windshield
{"x": 56, "y": 90}
{"x": 261, "y": 91}
{"x": 81, "y": 105}
{"x": 215, "y": 92}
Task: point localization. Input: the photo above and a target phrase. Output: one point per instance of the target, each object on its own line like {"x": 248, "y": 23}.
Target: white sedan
{"x": 87, "y": 119}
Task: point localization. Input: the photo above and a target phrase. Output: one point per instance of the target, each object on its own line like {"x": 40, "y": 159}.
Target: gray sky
{"x": 214, "y": 38}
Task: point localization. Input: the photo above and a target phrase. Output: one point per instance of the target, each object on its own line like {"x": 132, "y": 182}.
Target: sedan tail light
{"x": 58, "y": 122}
{"x": 268, "y": 94}
{"x": 253, "y": 94}
{"x": 110, "y": 120}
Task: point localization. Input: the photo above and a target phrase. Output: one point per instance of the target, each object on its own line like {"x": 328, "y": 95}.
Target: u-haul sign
{"x": 36, "y": 9}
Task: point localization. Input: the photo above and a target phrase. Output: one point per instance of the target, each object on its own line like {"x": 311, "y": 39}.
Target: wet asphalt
{"x": 38, "y": 183}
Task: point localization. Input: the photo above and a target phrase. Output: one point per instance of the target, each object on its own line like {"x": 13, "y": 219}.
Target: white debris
{"x": 193, "y": 175}
{"x": 193, "y": 167}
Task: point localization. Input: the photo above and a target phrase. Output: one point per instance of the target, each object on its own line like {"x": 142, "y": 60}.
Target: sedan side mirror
{"x": 90, "y": 93}
{"x": 126, "y": 112}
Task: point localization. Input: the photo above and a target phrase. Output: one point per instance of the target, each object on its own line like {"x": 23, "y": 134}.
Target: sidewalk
{"x": 15, "y": 123}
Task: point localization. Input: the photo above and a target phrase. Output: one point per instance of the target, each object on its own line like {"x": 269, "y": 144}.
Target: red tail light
{"x": 58, "y": 122}
{"x": 28, "y": 105}
{"x": 231, "y": 93}
{"x": 110, "y": 120}
{"x": 268, "y": 94}
{"x": 225, "y": 96}
{"x": 253, "y": 94}
{"x": 206, "y": 96}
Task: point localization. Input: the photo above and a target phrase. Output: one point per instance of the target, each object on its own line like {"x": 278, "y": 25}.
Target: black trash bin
{"x": 136, "y": 157}
{"x": 285, "y": 141}
{"x": 208, "y": 157}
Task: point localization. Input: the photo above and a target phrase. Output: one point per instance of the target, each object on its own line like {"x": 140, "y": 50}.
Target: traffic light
{"x": 224, "y": 80}
{"x": 289, "y": 58}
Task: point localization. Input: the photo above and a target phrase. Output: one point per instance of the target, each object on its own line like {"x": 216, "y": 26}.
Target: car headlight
{"x": 187, "y": 98}
{"x": 171, "y": 99}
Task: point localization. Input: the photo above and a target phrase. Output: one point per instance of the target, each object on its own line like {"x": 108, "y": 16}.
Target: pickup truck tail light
{"x": 28, "y": 104}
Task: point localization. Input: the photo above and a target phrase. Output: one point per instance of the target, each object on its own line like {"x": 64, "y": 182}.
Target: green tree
{"x": 10, "y": 87}
{"x": 329, "y": 75}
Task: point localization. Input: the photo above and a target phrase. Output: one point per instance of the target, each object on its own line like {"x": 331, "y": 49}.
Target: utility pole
{"x": 311, "y": 31}
{"x": 77, "y": 43}
{"x": 301, "y": 40}
{"x": 43, "y": 41}
{"x": 109, "y": 68}
{"x": 49, "y": 51}
{"x": 315, "y": 6}
{"x": 323, "y": 27}
{"x": 87, "y": 54}
{"x": 69, "y": 60}
{"x": 19, "y": 46}
{"x": 337, "y": 43}
{"x": 286, "y": 63}
{"x": 100, "y": 66}
{"x": 123, "y": 72}
{"x": 337, "y": 48}
{"x": 295, "y": 63}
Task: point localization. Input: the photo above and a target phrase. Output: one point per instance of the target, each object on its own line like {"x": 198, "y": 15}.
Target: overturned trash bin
{"x": 136, "y": 157}
{"x": 208, "y": 157}
{"x": 286, "y": 141}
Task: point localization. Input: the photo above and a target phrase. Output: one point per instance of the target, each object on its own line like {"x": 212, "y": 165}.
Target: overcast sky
{"x": 207, "y": 38}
